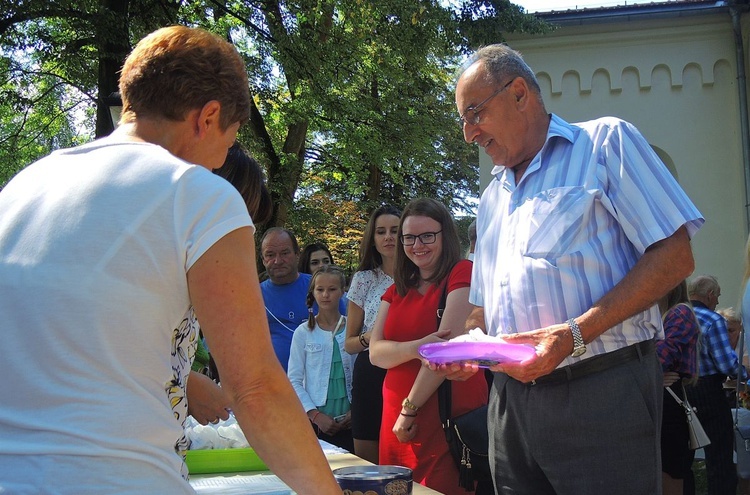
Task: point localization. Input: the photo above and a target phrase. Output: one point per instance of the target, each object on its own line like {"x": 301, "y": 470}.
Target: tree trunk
{"x": 284, "y": 175}
{"x": 112, "y": 39}
{"x": 374, "y": 179}
{"x": 374, "y": 175}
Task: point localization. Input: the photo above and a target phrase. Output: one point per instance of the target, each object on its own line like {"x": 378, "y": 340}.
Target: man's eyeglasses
{"x": 424, "y": 238}
{"x": 471, "y": 115}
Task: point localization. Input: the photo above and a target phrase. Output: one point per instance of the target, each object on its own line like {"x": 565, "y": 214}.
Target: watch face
{"x": 579, "y": 352}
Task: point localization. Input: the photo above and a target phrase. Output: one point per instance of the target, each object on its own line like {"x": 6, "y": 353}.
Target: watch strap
{"x": 579, "y": 346}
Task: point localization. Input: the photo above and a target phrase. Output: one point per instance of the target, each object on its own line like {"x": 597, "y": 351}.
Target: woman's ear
{"x": 208, "y": 117}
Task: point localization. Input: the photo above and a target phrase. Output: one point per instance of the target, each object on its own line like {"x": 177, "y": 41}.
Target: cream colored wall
{"x": 675, "y": 79}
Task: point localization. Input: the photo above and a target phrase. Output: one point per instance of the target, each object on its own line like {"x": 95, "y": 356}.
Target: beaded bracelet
{"x": 363, "y": 341}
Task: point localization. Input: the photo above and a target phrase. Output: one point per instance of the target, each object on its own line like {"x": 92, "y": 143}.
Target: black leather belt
{"x": 597, "y": 363}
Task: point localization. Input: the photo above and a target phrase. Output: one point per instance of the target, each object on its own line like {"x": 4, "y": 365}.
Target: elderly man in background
{"x": 103, "y": 248}
{"x": 717, "y": 361}
{"x": 580, "y": 232}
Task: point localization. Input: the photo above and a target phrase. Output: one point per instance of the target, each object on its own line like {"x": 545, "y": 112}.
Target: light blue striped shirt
{"x": 587, "y": 207}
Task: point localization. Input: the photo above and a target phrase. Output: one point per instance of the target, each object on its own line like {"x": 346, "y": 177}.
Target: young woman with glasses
{"x": 428, "y": 263}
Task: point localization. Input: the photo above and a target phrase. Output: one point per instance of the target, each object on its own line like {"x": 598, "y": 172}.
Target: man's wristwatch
{"x": 579, "y": 348}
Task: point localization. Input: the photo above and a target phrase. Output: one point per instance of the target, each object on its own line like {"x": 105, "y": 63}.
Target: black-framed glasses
{"x": 471, "y": 115}
{"x": 424, "y": 238}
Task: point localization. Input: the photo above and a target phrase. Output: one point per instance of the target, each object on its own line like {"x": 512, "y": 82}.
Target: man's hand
{"x": 553, "y": 344}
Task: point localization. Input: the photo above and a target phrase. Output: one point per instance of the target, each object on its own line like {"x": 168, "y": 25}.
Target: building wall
{"x": 676, "y": 80}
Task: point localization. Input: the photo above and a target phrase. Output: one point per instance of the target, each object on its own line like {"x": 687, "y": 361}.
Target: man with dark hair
{"x": 285, "y": 290}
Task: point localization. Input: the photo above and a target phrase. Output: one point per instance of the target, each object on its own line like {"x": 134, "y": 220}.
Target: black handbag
{"x": 468, "y": 439}
{"x": 467, "y": 435}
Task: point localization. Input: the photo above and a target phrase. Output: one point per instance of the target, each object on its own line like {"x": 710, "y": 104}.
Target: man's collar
{"x": 698, "y": 304}
{"x": 288, "y": 283}
{"x": 557, "y": 127}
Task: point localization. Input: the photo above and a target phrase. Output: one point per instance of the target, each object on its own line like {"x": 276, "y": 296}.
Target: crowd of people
{"x": 130, "y": 292}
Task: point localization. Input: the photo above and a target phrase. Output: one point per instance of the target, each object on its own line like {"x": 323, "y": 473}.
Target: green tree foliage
{"x": 57, "y": 57}
{"x": 361, "y": 103}
{"x": 34, "y": 118}
{"x": 353, "y": 98}
{"x": 341, "y": 232}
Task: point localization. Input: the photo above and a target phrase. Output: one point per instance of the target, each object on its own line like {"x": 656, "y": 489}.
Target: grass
{"x": 701, "y": 485}
{"x": 699, "y": 472}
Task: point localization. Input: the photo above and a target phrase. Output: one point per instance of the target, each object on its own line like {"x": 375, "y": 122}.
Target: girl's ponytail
{"x": 310, "y": 300}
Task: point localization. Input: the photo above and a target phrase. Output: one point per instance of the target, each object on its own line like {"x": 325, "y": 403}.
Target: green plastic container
{"x": 223, "y": 461}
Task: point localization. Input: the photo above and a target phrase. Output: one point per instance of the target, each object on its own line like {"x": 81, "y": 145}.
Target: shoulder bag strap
{"x": 441, "y": 304}
{"x": 444, "y": 403}
{"x": 444, "y": 390}
{"x": 671, "y": 392}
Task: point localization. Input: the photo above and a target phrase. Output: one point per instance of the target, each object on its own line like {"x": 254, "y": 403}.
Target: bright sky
{"x": 547, "y": 5}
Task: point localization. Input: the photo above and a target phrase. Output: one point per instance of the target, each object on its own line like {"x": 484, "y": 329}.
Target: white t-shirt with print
{"x": 366, "y": 289}
{"x": 95, "y": 244}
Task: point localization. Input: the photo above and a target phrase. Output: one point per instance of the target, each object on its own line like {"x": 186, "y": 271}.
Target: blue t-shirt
{"x": 285, "y": 309}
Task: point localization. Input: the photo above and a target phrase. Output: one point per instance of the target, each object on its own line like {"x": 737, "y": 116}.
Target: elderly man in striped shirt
{"x": 580, "y": 232}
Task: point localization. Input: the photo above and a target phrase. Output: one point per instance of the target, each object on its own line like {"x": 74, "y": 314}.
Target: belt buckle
{"x": 533, "y": 382}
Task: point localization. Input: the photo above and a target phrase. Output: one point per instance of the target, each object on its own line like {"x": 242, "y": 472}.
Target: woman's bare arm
{"x": 225, "y": 292}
